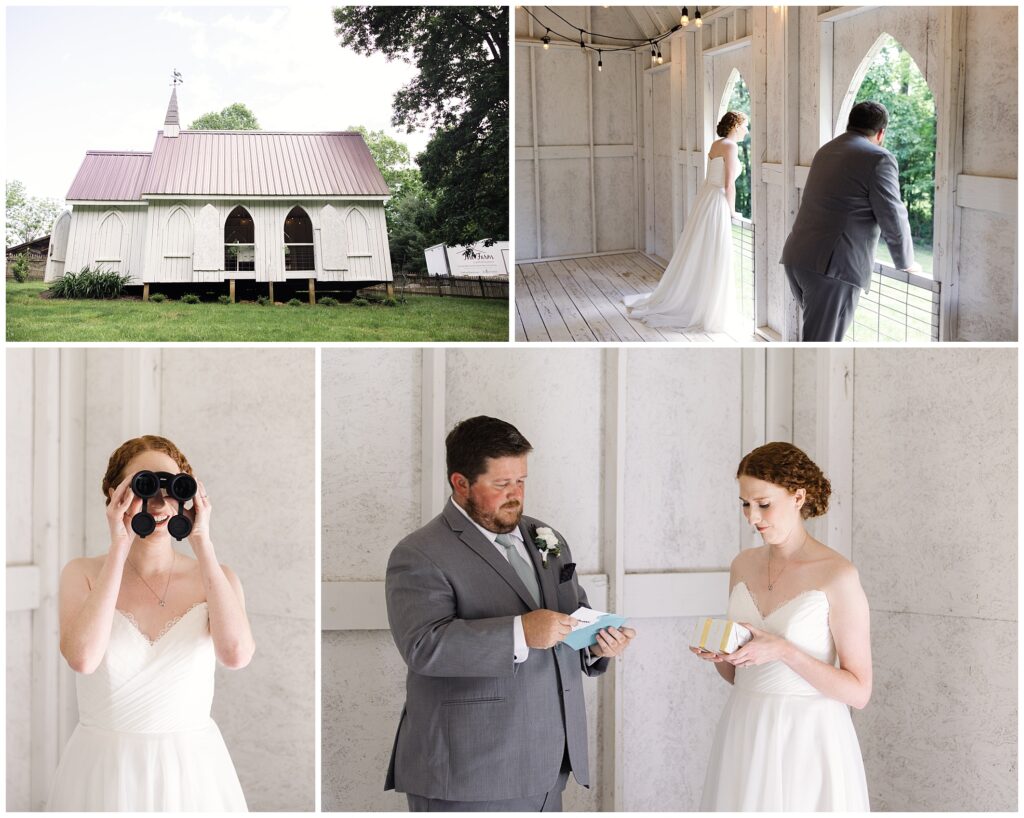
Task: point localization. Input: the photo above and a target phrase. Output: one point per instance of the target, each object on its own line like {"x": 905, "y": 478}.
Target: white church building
{"x": 221, "y": 206}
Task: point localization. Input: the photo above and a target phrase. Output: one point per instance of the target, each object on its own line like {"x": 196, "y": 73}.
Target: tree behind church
{"x": 236, "y": 117}
{"x": 461, "y": 91}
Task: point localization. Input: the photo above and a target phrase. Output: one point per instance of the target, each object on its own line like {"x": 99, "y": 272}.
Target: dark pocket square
{"x": 568, "y": 570}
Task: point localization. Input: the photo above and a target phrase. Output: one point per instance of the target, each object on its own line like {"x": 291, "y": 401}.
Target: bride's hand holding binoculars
{"x": 122, "y": 507}
{"x": 199, "y": 515}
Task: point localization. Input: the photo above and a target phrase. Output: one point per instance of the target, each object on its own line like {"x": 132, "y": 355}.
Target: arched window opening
{"x": 736, "y": 97}
{"x": 298, "y": 241}
{"x": 893, "y": 79}
{"x": 239, "y": 241}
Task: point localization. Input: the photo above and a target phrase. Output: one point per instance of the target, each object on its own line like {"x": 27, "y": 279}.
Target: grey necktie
{"x": 521, "y": 566}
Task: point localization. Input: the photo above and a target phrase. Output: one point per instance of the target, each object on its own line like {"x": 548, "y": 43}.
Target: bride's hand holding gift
{"x": 708, "y": 655}
{"x": 763, "y": 648}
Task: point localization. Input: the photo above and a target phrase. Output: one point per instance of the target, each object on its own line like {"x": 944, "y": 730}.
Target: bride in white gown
{"x": 785, "y": 741}
{"x": 696, "y": 289}
{"x": 143, "y": 627}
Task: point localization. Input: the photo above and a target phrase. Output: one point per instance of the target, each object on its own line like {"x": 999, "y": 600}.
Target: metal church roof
{"x": 233, "y": 163}
{"x": 110, "y": 176}
{"x": 263, "y": 163}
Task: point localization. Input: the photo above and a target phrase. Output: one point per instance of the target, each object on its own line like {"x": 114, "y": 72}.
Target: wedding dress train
{"x": 145, "y": 740}
{"x": 780, "y": 744}
{"x": 696, "y": 289}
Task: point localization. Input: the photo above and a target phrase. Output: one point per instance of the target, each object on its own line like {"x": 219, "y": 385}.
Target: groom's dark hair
{"x": 868, "y": 118}
{"x": 473, "y": 440}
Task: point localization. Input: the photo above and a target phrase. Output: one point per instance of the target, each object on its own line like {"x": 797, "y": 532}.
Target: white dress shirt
{"x": 521, "y": 648}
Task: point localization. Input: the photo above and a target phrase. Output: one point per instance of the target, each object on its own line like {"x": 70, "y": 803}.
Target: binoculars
{"x": 147, "y": 484}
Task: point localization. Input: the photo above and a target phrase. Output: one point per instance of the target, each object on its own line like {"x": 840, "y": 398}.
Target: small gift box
{"x": 719, "y": 635}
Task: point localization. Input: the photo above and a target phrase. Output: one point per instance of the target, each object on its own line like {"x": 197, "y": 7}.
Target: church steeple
{"x": 171, "y": 125}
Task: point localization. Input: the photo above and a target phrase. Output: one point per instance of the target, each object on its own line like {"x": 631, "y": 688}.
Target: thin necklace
{"x": 771, "y": 584}
{"x": 163, "y": 600}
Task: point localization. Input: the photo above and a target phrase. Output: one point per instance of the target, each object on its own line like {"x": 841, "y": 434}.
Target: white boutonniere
{"x": 547, "y": 543}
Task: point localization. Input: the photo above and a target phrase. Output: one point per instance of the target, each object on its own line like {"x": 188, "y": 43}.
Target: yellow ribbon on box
{"x": 726, "y": 632}
{"x": 704, "y": 635}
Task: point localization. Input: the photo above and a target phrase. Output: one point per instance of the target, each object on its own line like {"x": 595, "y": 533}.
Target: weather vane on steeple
{"x": 177, "y": 78}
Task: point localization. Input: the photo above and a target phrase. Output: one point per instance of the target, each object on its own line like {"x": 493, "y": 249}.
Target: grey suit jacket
{"x": 852, "y": 196}
{"x": 476, "y": 726}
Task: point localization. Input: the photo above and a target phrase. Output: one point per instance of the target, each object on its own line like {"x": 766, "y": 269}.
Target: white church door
{"x": 58, "y": 246}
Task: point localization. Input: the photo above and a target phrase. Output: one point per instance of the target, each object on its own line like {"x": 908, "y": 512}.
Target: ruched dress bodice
{"x": 151, "y": 687}
{"x": 716, "y": 172}
{"x": 802, "y": 620}
{"x": 781, "y": 744}
{"x": 145, "y": 740}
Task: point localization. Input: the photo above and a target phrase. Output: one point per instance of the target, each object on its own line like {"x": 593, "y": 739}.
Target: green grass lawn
{"x": 421, "y": 318}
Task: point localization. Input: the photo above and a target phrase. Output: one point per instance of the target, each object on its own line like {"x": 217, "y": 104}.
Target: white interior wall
{"x": 799, "y": 63}
{"x": 935, "y": 539}
{"x": 680, "y": 525}
{"x": 258, "y": 466}
{"x": 19, "y": 553}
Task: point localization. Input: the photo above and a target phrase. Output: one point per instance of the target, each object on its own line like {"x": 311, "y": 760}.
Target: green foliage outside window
{"x": 740, "y": 101}
{"x": 895, "y": 81}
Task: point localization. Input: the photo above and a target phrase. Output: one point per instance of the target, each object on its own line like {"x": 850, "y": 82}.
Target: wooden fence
{"x": 458, "y": 286}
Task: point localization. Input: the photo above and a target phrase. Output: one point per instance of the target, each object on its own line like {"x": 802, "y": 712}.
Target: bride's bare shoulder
{"x": 835, "y": 571}
{"x": 87, "y": 568}
{"x": 743, "y": 564}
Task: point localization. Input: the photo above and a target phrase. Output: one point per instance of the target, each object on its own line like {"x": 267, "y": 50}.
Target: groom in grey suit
{"x": 478, "y": 602}
{"x": 852, "y": 195}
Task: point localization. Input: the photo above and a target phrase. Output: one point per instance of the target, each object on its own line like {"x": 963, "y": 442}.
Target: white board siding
{"x": 122, "y": 237}
{"x": 156, "y": 245}
{"x": 176, "y": 261}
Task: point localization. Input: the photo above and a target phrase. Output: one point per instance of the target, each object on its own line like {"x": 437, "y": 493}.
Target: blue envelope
{"x": 585, "y": 637}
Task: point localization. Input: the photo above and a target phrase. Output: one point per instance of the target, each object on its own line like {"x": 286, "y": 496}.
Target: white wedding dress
{"x": 696, "y": 289}
{"x": 145, "y": 740}
{"x": 780, "y": 744}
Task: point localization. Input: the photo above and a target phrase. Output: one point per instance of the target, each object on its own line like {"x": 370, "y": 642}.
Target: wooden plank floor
{"x": 580, "y": 299}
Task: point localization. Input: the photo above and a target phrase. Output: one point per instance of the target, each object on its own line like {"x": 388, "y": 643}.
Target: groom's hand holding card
{"x": 589, "y": 624}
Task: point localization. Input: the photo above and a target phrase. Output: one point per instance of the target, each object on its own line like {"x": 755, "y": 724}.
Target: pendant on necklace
{"x": 162, "y": 602}
{"x": 769, "y": 588}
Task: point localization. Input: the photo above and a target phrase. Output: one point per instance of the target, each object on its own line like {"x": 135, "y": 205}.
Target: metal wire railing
{"x": 743, "y": 266}
{"x": 901, "y": 306}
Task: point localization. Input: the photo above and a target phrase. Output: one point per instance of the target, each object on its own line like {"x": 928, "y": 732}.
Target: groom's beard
{"x": 502, "y": 521}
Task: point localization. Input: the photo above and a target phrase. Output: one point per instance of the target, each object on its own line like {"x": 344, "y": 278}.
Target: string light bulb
{"x": 654, "y": 55}
{"x": 546, "y": 39}
{"x": 600, "y": 64}
{"x": 582, "y": 46}
{"x": 661, "y": 59}
{"x": 696, "y": 18}
{"x": 684, "y": 19}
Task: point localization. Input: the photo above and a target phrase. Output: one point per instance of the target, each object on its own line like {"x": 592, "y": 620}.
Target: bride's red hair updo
{"x": 124, "y": 453}
{"x": 783, "y": 464}
{"x": 732, "y": 119}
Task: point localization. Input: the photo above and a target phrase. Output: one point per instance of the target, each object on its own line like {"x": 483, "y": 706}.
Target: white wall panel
{"x": 564, "y": 193}
{"x": 683, "y": 442}
{"x": 614, "y": 183}
{"x": 554, "y": 398}
{"x": 613, "y": 91}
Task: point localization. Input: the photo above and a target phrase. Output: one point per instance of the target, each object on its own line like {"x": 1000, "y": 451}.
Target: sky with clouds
{"x": 82, "y": 78}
